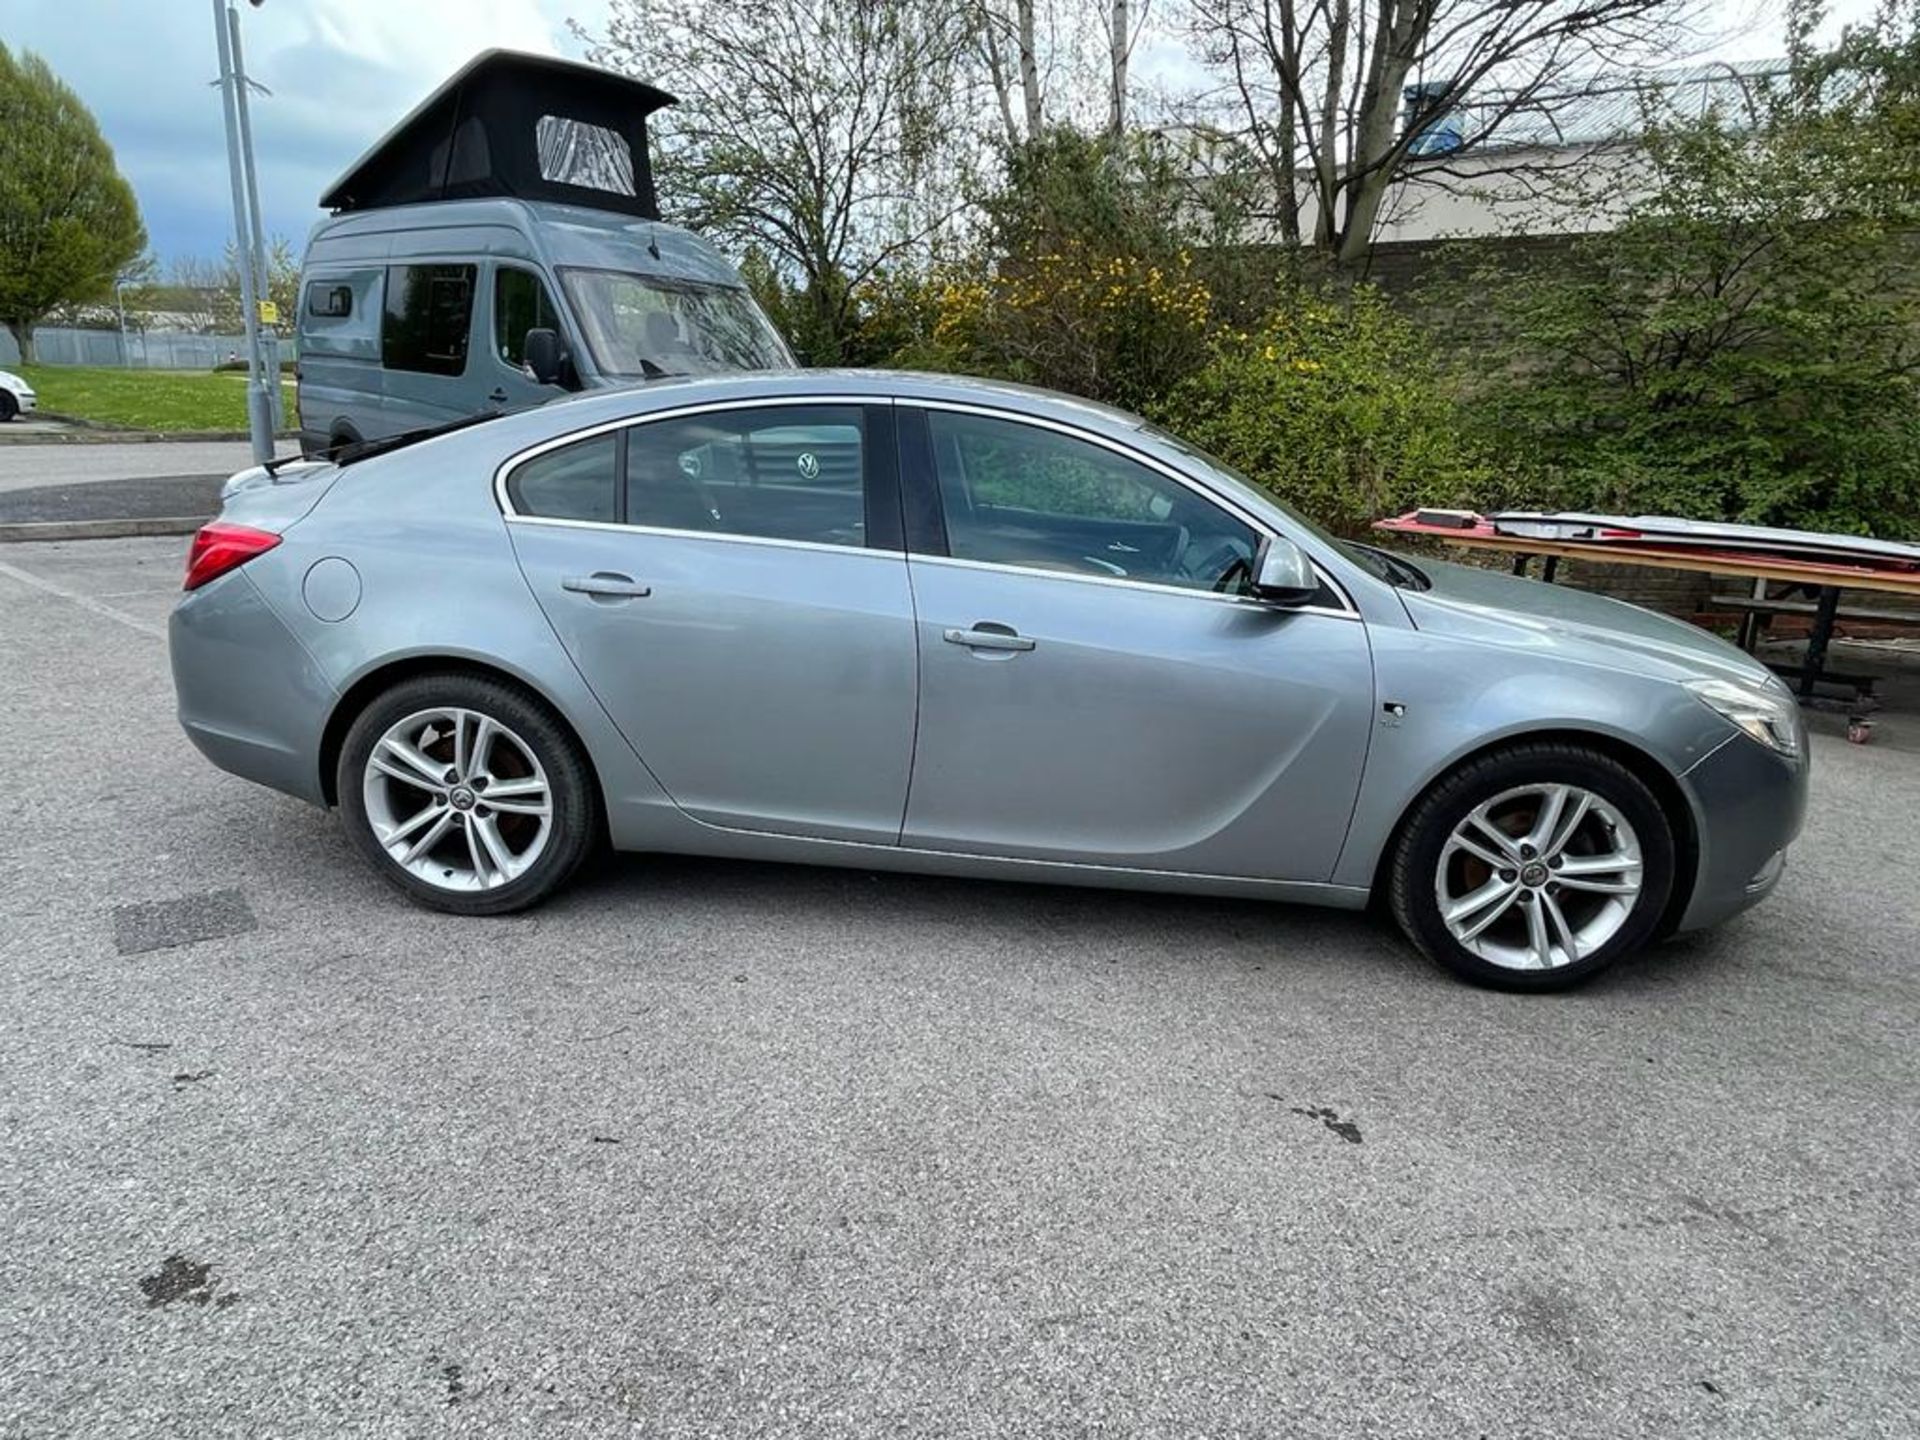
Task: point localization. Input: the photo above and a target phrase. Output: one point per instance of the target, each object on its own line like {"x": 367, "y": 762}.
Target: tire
{"x": 488, "y": 858}
{"x": 9, "y": 406}
{"x": 1577, "y": 894}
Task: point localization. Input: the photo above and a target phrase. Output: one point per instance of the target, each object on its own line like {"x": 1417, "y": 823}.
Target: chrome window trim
{"x": 514, "y": 461}
{"x": 1257, "y": 524}
{"x": 1347, "y": 609}
{"x": 719, "y": 537}
{"x": 915, "y": 557}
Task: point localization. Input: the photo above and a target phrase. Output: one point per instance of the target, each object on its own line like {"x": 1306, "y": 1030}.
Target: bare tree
{"x": 1123, "y": 32}
{"x": 813, "y": 132}
{"x": 1053, "y": 62}
{"x": 1338, "y": 100}
{"x": 1029, "y": 66}
{"x": 995, "y": 36}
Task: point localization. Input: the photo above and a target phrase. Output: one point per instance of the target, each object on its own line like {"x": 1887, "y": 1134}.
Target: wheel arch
{"x": 374, "y": 682}
{"x": 1644, "y": 767}
{"x": 340, "y": 434}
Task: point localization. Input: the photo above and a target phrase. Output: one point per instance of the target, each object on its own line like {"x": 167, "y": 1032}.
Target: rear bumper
{"x": 251, "y": 698}
{"x": 1750, "y": 804}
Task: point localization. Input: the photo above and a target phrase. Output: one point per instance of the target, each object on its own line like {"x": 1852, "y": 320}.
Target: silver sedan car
{"x": 922, "y": 623}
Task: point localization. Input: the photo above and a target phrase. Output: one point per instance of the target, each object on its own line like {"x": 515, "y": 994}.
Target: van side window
{"x": 330, "y": 300}
{"x": 575, "y": 482}
{"x": 520, "y": 304}
{"x": 429, "y": 311}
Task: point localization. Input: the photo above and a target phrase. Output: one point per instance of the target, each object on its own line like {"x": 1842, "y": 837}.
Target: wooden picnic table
{"x": 1826, "y": 579}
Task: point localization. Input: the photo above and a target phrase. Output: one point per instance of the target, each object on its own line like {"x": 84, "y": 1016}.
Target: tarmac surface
{"x": 711, "y": 1149}
{"x": 76, "y": 489}
{"x": 31, "y": 466}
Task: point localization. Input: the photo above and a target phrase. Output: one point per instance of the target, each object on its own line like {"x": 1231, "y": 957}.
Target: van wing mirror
{"x": 545, "y": 355}
{"x": 1282, "y": 573}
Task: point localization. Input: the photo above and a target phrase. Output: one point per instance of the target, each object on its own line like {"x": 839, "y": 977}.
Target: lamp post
{"x": 261, "y": 380}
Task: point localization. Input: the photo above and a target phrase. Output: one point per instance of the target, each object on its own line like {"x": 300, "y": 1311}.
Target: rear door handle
{"x": 607, "y": 585}
{"x": 985, "y": 636}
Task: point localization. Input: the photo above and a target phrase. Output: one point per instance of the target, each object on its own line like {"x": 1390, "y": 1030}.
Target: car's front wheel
{"x": 9, "y": 406}
{"x": 467, "y": 793}
{"x": 1533, "y": 867}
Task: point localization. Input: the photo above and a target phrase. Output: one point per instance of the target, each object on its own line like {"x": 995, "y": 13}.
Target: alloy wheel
{"x": 457, "y": 799}
{"x": 1539, "y": 877}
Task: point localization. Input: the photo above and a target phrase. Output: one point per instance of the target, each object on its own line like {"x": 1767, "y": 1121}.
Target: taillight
{"x": 220, "y": 546}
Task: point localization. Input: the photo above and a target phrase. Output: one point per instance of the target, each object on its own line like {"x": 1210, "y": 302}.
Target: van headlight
{"x": 1767, "y": 713}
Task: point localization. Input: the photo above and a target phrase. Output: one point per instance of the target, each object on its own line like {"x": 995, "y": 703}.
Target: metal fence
{"x": 148, "y": 349}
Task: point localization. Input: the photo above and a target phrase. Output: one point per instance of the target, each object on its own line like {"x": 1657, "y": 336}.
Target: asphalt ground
{"x": 36, "y": 466}
{"x": 711, "y": 1149}
{"x": 134, "y": 498}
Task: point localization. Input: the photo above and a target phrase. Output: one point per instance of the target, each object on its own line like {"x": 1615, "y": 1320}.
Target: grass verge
{"x": 146, "y": 399}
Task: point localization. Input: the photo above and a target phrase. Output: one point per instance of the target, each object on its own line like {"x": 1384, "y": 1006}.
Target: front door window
{"x": 520, "y": 304}
{"x": 1016, "y": 494}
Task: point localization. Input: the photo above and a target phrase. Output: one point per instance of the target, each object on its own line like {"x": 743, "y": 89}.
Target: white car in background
{"x": 15, "y": 395}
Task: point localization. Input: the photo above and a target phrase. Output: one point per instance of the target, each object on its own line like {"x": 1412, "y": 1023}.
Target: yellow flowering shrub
{"x": 1337, "y": 406}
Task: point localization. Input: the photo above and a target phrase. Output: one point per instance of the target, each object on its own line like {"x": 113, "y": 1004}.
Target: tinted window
{"x": 429, "y": 311}
{"x": 520, "y": 304}
{"x": 1015, "y": 494}
{"x": 328, "y": 299}
{"x": 784, "y": 473}
{"x": 577, "y": 482}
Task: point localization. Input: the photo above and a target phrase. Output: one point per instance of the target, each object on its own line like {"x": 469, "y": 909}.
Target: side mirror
{"x": 1282, "y": 573}
{"x": 545, "y": 355}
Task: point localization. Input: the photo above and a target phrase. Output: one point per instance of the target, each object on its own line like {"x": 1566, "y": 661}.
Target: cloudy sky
{"x": 341, "y": 72}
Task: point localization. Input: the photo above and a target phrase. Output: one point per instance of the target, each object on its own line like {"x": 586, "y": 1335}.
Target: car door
{"x": 731, "y": 583}
{"x": 1094, "y": 684}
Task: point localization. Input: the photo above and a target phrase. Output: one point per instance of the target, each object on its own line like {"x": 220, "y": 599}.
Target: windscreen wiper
{"x": 367, "y": 449}
{"x": 1404, "y": 572}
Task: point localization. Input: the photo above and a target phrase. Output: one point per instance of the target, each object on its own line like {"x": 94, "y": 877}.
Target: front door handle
{"x": 987, "y": 636}
{"x": 604, "y": 584}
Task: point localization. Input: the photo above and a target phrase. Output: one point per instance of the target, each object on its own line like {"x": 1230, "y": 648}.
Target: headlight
{"x": 1768, "y": 715}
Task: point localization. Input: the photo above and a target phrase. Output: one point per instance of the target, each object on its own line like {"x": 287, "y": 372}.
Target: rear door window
{"x": 429, "y": 314}
{"x": 779, "y": 472}
{"x": 576, "y": 482}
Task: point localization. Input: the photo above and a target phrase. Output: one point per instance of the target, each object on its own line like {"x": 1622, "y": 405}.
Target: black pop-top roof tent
{"x": 527, "y": 126}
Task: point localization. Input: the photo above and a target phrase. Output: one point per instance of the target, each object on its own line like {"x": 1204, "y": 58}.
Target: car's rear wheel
{"x": 467, "y": 793}
{"x": 1533, "y": 867}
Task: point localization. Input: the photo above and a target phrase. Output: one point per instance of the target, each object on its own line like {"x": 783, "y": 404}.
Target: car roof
{"x": 563, "y": 235}
{"x": 592, "y": 407}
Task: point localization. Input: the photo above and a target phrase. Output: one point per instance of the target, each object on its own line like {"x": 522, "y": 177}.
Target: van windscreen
{"x": 643, "y": 327}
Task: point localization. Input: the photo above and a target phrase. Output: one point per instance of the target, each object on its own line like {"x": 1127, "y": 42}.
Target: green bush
{"x": 1100, "y": 273}
{"x": 1339, "y": 406}
{"x": 1742, "y": 345}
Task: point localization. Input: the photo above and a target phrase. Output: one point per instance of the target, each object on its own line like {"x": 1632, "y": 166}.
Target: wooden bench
{"x": 1870, "y": 614}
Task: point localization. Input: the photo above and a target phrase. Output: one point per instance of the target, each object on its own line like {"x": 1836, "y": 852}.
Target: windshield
{"x": 1394, "y": 569}
{"x": 643, "y": 327}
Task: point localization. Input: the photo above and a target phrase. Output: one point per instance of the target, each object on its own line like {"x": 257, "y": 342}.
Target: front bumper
{"x": 1749, "y": 804}
{"x": 26, "y": 400}
{"x": 251, "y": 698}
